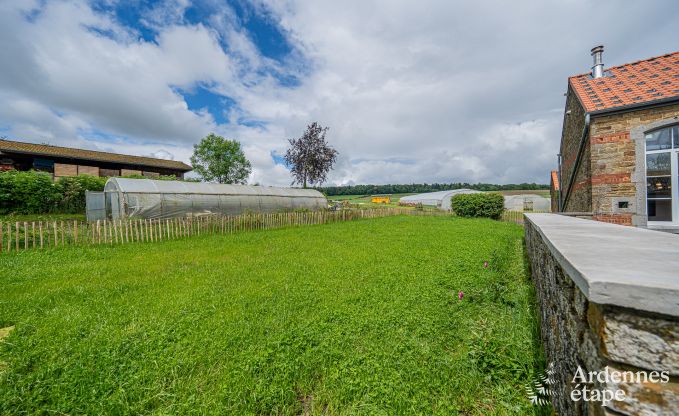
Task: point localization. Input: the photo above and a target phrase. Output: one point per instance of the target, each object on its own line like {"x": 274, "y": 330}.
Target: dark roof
{"x": 642, "y": 82}
{"x": 68, "y": 152}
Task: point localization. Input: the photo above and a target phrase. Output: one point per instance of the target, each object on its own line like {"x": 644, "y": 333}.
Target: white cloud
{"x": 463, "y": 91}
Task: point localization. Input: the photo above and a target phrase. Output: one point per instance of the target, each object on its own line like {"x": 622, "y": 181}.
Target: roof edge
{"x": 178, "y": 162}
{"x": 628, "y": 63}
{"x": 632, "y": 107}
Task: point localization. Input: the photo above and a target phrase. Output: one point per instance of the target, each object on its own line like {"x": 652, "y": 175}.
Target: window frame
{"x": 674, "y": 174}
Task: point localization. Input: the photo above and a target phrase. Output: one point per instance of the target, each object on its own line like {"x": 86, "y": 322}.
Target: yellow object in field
{"x": 380, "y": 199}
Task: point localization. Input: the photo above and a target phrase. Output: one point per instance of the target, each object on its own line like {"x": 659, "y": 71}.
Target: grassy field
{"x": 395, "y": 197}
{"x": 366, "y": 199}
{"x": 349, "y": 318}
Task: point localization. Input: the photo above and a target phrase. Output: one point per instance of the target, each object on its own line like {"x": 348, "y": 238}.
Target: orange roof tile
{"x": 555, "y": 180}
{"x": 630, "y": 84}
{"x": 69, "y": 152}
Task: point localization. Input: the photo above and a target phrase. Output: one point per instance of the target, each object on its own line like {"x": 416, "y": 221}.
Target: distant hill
{"x": 424, "y": 187}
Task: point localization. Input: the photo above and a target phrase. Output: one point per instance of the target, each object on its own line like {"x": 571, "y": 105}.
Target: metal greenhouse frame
{"x": 153, "y": 199}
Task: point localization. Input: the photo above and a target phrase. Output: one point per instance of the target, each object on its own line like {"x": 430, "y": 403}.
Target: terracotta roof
{"x": 555, "y": 180}
{"x": 635, "y": 83}
{"x": 68, "y": 152}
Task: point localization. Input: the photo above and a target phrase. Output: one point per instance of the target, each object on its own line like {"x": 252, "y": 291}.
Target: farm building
{"x": 440, "y": 199}
{"x": 619, "y": 153}
{"x": 527, "y": 202}
{"x": 153, "y": 199}
{"x": 68, "y": 161}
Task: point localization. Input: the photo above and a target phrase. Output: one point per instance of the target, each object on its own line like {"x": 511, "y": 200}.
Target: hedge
{"x": 32, "y": 192}
{"x": 489, "y": 205}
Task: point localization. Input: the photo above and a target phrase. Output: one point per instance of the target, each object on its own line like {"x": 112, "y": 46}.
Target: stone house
{"x": 619, "y": 156}
{"x": 67, "y": 161}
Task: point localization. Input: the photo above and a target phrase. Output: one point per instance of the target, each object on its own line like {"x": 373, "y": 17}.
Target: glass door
{"x": 662, "y": 176}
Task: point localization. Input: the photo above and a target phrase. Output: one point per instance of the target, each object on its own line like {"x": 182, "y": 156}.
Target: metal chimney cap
{"x": 597, "y": 49}
{"x": 598, "y": 67}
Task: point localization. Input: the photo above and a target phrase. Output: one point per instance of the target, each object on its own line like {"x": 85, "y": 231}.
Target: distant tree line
{"x": 424, "y": 187}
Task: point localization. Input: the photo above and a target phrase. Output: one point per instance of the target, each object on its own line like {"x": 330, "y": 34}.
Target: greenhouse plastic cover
{"x": 153, "y": 199}
{"x": 527, "y": 202}
{"x": 440, "y": 199}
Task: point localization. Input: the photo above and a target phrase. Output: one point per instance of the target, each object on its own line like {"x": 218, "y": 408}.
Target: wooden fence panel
{"x": 20, "y": 236}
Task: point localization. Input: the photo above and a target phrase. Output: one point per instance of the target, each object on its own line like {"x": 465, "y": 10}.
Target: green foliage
{"x": 72, "y": 190}
{"x": 27, "y": 192}
{"x": 217, "y": 159}
{"x": 487, "y": 205}
{"x": 417, "y": 188}
{"x": 31, "y": 192}
{"x": 242, "y": 324}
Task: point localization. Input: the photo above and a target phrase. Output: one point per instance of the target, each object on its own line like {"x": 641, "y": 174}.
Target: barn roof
{"x": 46, "y": 150}
{"x": 643, "y": 82}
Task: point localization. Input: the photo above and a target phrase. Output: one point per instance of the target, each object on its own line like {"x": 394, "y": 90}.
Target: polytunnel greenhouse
{"x": 440, "y": 199}
{"x": 153, "y": 199}
{"x": 527, "y": 202}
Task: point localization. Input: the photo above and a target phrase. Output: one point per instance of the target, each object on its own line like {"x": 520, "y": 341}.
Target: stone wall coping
{"x": 615, "y": 264}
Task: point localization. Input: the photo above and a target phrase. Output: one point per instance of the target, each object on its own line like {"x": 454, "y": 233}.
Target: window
{"x": 662, "y": 175}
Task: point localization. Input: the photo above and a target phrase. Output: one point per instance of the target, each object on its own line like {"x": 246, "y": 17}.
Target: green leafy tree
{"x": 217, "y": 159}
{"x": 309, "y": 157}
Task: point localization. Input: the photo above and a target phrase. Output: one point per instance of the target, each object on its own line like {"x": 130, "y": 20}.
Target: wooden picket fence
{"x": 18, "y": 236}
{"x": 516, "y": 216}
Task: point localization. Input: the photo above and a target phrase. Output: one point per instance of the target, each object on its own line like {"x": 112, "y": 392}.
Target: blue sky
{"x": 436, "y": 92}
{"x": 258, "y": 24}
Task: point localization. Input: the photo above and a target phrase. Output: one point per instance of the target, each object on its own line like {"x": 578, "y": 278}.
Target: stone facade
{"x": 611, "y": 180}
{"x": 580, "y": 199}
{"x": 576, "y": 332}
{"x": 619, "y": 171}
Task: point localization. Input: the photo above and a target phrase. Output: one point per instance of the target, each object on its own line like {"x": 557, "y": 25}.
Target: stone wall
{"x": 587, "y": 327}
{"x": 580, "y": 199}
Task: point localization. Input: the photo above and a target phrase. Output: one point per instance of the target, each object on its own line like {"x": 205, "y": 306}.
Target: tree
{"x": 218, "y": 159}
{"x": 310, "y": 157}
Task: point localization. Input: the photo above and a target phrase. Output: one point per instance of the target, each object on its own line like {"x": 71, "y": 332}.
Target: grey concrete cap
{"x": 614, "y": 264}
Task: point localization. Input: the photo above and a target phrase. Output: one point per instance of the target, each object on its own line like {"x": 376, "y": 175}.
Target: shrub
{"x": 35, "y": 192}
{"x": 489, "y": 205}
{"x": 72, "y": 190}
{"x": 28, "y": 192}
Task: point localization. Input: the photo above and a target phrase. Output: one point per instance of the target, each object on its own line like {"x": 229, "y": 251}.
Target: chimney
{"x": 598, "y": 68}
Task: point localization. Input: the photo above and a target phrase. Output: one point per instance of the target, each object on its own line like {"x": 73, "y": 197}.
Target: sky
{"x": 412, "y": 92}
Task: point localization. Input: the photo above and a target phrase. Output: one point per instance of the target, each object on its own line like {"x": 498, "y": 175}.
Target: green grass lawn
{"x": 348, "y": 318}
